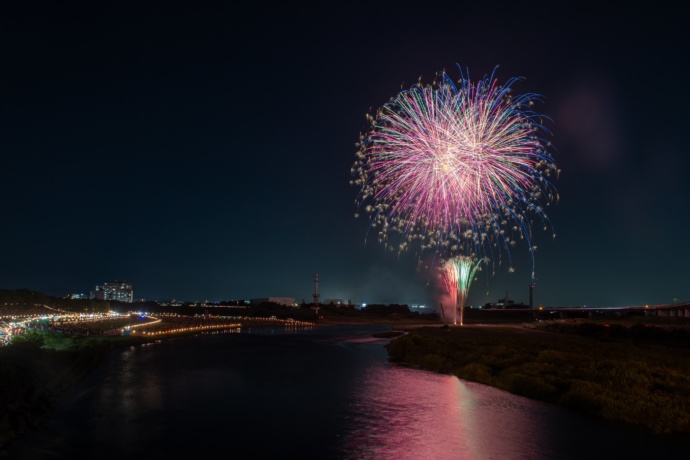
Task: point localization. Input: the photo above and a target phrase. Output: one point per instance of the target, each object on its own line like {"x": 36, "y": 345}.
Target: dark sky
{"x": 203, "y": 152}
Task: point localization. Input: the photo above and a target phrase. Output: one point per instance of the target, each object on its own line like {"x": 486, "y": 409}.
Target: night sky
{"x": 204, "y": 152}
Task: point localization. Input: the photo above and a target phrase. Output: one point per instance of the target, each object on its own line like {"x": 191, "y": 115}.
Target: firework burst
{"x": 457, "y": 168}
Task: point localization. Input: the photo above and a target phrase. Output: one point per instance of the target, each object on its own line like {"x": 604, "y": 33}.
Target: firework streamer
{"x": 458, "y": 273}
{"x": 460, "y": 169}
{"x": 449, "y": 275}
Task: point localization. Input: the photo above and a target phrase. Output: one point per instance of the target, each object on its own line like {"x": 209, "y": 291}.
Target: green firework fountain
{"x": 458, "y": 273}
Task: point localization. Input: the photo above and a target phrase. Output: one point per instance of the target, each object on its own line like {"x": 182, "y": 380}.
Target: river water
{"x": 311, "y": 393}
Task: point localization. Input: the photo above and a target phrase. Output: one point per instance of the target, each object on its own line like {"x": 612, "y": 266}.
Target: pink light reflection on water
{"x": 402, "y": 413}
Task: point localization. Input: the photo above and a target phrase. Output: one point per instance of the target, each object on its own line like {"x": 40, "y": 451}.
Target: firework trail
{"x": 457, "y": 168}
{"x": 457, "y": 274}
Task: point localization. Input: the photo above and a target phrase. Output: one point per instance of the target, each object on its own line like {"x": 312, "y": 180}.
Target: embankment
{"x": 636, "y": 375}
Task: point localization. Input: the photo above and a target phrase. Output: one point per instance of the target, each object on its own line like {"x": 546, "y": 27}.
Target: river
{"x": 326, "y": 392}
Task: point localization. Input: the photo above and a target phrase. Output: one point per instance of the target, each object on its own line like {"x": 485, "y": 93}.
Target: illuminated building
{"x": 77, "y": 296}
{"x": 121, "y": 291}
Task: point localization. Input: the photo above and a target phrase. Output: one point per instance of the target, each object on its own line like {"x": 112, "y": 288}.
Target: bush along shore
{"x": 634, "y": 374}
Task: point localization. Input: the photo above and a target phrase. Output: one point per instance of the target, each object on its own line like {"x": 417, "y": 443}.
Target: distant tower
{"x": 316, "y": 289}
{"x": 531, "y": 289}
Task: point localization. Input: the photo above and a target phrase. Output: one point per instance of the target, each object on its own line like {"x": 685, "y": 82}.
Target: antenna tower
{"x": 531, "y": 290}
{"x": 316, "y": 289}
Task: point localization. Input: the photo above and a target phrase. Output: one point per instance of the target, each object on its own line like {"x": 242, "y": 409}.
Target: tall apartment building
{"x": 117, "y": 290}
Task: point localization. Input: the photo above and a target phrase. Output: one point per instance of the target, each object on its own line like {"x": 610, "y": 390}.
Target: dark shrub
{"x": 584, "y": 397}
{"x": 530, "y": 386}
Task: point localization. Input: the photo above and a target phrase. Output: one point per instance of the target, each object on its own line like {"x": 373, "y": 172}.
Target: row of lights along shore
{"x": 286, "y": 322}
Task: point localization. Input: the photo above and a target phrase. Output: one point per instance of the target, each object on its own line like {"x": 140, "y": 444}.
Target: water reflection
{"x": 321, "y": 393}
{"x": 405, "y": 413}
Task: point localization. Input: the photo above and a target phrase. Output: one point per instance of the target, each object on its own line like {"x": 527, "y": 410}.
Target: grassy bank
{"x": 638, "y": 375}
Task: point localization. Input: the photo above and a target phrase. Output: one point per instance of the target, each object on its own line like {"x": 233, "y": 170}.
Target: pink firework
{"x": 461, "y": 167}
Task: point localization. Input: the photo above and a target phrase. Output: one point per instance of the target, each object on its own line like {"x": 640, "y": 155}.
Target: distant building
{"x": 77, "y": 296}
{"x": 504, "y": 303}
{"x": 289, "y": 301}
{"x": 121, "y": 291}
{"x": 336, "y": 302}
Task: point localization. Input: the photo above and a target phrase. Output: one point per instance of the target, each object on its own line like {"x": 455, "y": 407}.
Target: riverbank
{"x": 33, "y": 377}
{"x": 377, "y": 321}
{"x": 637, "y": 375}
{"x": 41, "y": 366}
